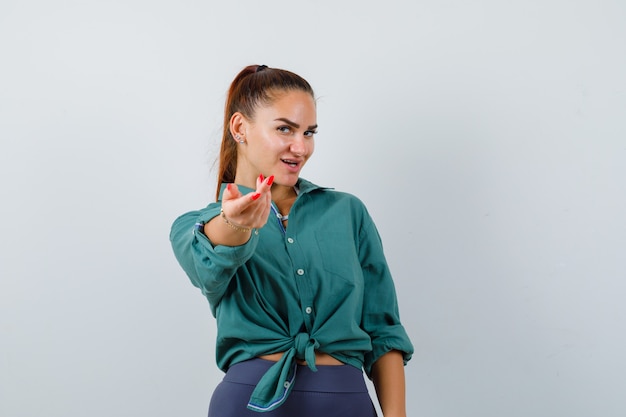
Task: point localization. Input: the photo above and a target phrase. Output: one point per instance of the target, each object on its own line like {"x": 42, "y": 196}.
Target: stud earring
{"x": 238, "y": 139}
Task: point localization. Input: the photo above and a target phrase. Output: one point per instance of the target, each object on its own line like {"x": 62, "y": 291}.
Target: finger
{"x": 264, "y": 185}
{"x": 231, "y": 192}
{"x": 244, "y": 204}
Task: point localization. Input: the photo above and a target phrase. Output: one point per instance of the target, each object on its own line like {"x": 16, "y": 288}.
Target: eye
{"x": 310, "y": 133}
{"x": 284, "y": 129}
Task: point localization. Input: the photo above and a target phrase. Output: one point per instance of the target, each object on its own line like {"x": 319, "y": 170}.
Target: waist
{"x": 321, "y": 358}
{"x": 327, "y": 378}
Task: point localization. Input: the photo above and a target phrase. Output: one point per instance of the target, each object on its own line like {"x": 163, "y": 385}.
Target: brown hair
{"x": 255, "y": 85}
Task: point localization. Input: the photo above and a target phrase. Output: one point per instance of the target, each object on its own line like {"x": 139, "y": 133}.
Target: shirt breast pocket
{"x": 339, "y": 258}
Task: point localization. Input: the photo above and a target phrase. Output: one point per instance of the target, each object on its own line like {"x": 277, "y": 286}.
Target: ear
{"x": 238, "y": 125}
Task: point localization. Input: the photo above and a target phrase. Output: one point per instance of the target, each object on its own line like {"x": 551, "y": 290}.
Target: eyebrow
{"x": 293, "y": 124}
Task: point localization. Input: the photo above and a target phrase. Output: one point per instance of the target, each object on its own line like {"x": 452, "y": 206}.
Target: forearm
{"x": 208, "y": 266}
{"x": 389, "y": 381}
{"x": 220, "y": 233}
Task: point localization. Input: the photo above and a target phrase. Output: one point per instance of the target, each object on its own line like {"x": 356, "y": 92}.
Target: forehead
{"x": 295, "y": 105}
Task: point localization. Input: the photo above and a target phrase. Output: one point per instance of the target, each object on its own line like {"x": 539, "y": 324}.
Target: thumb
{"x": 231, "y": 192}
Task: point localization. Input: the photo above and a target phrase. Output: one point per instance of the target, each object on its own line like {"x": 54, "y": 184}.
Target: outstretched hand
{"x": 250, "y": 210}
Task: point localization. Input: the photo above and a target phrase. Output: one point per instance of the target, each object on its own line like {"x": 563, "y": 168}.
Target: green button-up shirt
{"x": 321, "y": 284}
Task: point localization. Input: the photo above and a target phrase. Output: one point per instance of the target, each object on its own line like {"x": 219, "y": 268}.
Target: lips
{"x": 291, "y": 162}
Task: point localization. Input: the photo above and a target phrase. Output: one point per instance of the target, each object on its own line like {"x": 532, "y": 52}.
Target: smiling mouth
{"x": 290, "y": 162}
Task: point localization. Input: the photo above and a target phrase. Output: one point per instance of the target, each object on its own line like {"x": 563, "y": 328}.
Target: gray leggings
{"x": 332, "y": 391}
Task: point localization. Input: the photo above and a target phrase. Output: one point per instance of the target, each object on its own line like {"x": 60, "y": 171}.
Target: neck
{"x": 283, "y": 198}
{"x": 282, "y": 192}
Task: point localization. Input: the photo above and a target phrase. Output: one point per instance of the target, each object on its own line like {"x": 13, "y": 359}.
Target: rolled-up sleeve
{"x": 209, "y": 267}
{"x": 381, "y": 317}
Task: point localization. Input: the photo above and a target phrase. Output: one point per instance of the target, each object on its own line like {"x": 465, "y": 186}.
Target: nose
{"x": 298, "y": 145}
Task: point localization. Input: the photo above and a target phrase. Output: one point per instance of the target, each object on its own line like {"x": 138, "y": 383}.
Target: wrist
{"x": 235, "y": 226}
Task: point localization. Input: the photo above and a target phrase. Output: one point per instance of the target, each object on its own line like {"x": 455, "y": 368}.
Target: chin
{"x": 287, "y": 180}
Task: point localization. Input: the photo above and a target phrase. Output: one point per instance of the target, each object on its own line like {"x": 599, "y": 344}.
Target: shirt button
{"x": 290, "y": 240}
{"x": 308, "y": 310}
{"x": 286, "y": 384}
{"x": 300, "y": 272}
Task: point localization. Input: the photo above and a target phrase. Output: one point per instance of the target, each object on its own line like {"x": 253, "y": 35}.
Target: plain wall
{"x": 488, "y": 140}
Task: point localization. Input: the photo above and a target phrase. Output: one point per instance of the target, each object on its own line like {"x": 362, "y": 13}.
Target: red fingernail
{"x": 261, "y": 177}
{"x": 228, "y": 187}
{"x": 255, "y": 196}
{"x": 270, "y": 180}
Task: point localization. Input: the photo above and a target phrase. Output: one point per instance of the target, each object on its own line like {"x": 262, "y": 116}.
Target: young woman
{"x": 294, "y": 273}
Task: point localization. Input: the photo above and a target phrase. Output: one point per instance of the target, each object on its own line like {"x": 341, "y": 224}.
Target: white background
{"x": 488, "y": 139}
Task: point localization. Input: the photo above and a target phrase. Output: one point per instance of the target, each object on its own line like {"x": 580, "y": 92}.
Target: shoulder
{"x": 345, "y": 199}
